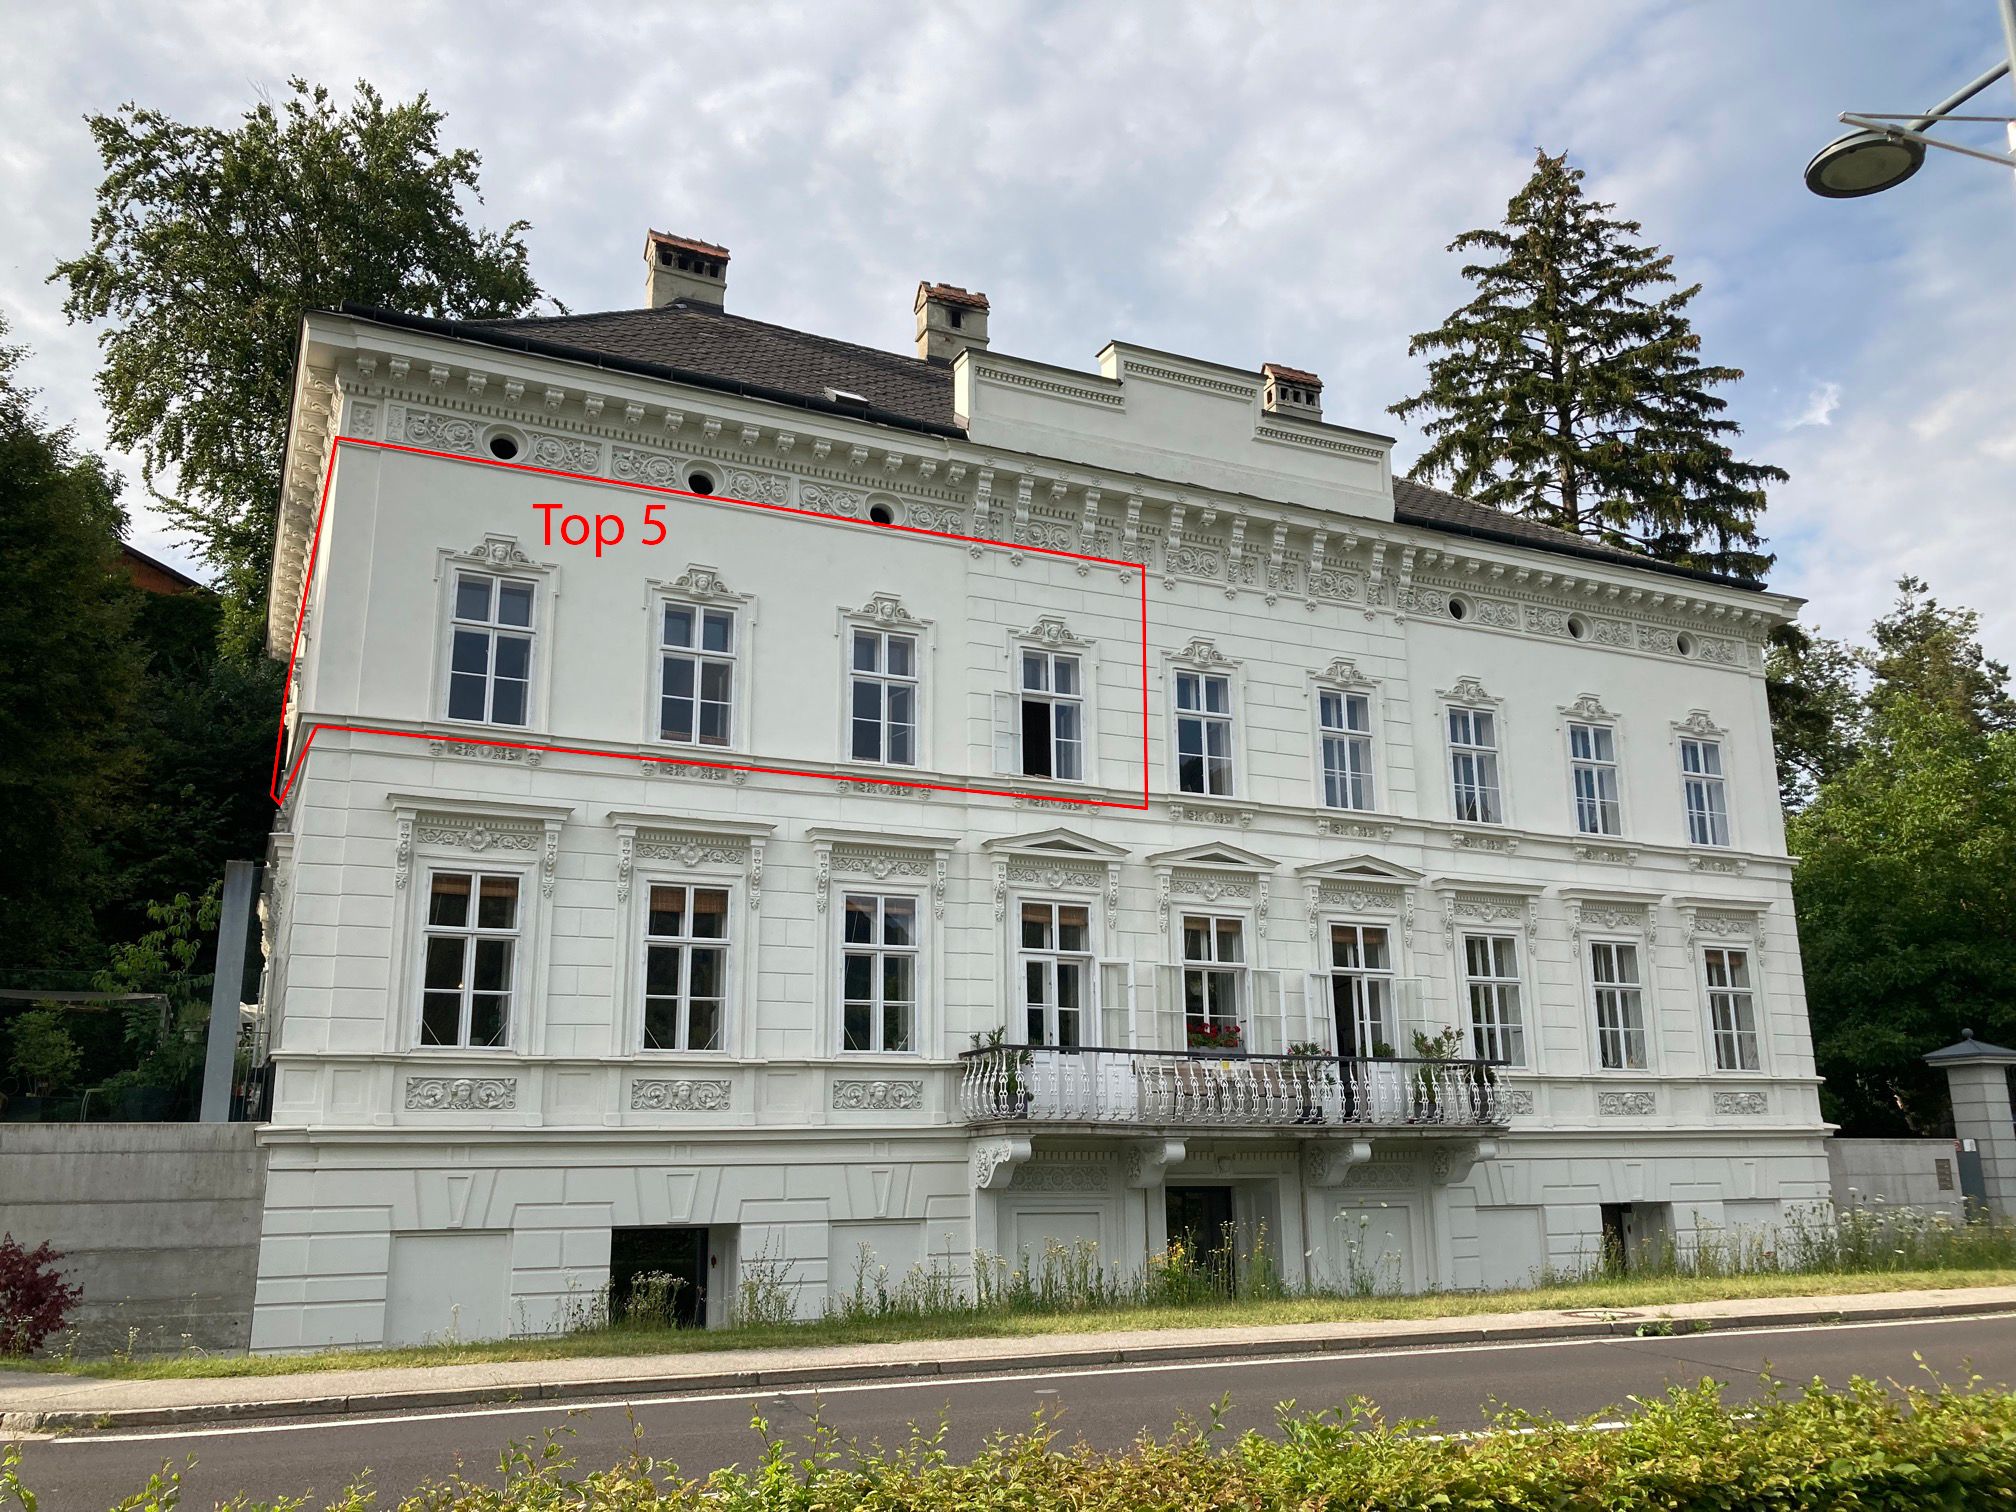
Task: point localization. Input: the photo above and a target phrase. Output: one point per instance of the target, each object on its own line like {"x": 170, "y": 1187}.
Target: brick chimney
{"x": 949, "y": 320}
{"x": 682, "y": 268}
{"x": 1290, "y": 391}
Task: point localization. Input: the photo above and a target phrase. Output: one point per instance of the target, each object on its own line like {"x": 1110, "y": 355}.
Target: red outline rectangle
{"x": 279, "y": 791}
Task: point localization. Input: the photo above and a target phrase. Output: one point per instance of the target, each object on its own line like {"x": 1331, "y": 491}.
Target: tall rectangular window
{"x": 1707, "y": 801}
{"x": 1214, "y": 976}
{"x": 470, "y": 946}
{"x": 1057, "y": 966}
{"x": 1361, "y": 988}
{"x": 685, "y": 967}
{"x": 1204, "y": 733}
{"x": 878, "y": 972}
{"x": 1473, "y": 766}
{"x": 1732, "y": 1010}
{"x": 882, "y": 697}
{"x": 1620, "y": 1005}
{"x": 490, "y": 650}
{"x": 697, "y": 676}
{"x": 1346, "y": 719}
{"x": 1491, "y": 978}
{"x": 1592, "y": 763}
{"x": 1053, "y": 716}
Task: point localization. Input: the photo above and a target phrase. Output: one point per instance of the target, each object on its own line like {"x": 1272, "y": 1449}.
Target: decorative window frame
{"x": 1201, "y": 654}
{"x": 1738, "y": 923}
{"x": 888, "y": 862}
{"x": 1617, "y": 916}
{"x": 1050, "y": 633}
{"x": 1700, "y": 725}
{"x": 1343, "y": 676}
{"x": 887, "y": 612}
{"x": 434, "y": 833}
{"x": 1588, "y": 709}
{"x": 701, "y": 587}
{"x": 497, "y": 555}
{"x": 1473, "y": 905}
{"x": 1218, "y": 879}
{"x": 1469, "y": 693}
{"x": 695, "y": 852}
{"x": 1356, "y": 890}
{"x": 1057, "y": 865}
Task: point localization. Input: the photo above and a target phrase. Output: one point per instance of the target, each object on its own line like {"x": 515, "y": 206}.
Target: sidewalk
{"x": 49, "y": 1403}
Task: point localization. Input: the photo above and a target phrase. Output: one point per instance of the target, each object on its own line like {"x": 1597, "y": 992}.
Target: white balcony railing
{"x": 1202, "y": 1088}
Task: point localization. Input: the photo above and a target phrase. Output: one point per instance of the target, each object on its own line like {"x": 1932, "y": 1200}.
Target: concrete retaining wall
{"x": 1921, "y": 1174}
{"x": 158, "y": 1222}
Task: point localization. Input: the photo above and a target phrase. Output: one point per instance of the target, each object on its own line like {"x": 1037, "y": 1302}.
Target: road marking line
{"x": 754, "y": 1394}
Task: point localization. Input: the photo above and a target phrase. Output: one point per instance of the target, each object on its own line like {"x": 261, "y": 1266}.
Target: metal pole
{"x": 241, "y": 879}
{"x": 1953, "y": 102}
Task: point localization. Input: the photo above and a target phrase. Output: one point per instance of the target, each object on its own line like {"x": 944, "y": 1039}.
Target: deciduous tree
{"x": 209, "y": 243}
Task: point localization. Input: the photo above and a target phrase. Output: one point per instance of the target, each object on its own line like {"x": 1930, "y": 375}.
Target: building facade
{"x": 757, "y": 806}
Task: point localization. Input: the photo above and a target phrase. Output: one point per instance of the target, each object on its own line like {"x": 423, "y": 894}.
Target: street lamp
{"x": 1885, "y": 150}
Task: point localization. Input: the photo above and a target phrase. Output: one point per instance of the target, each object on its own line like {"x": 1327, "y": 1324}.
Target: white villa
{"x": 850, "y": 872}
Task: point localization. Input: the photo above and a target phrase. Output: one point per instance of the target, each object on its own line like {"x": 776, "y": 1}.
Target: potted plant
{"x": 1214, "y": 1034}
{"x": 1434, "y": 1050}
{"x": 1314, "y": 1071}
{"x": 1011, "y": 1093}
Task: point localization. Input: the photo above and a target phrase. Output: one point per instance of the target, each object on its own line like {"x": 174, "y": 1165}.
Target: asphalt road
{"x": 1108, "y": 1407}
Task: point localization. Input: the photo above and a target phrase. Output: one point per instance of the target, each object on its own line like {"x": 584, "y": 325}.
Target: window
{"x": 1473, "y": 765}
{"x": 1592, "y": 762}
{"x": 1707, "y": 802}
{"x": 685, "y": 967}
{"x": 1204, "y": 733}
{"x": 1361, "y": 988}
{"x": 1732, "y": 1010}
{"x": 883, "y": 697}
{"x": 490, "y": 650}
{"x": 697, "y": 676}
{"x": 1214, "y": 970}
{"x": 1053, "y": 716}
{"x": 471, "y": 948}
{"x": 1491, "y": 974}
{"x": 1056, "y": 972}
{"x": 1346, "y": 719}
{"x": 878, "y": 972}
{"x": 1620, "y": 1006}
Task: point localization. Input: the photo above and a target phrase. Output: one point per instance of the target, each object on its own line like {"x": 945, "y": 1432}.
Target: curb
{"x": 614, "y": 1388}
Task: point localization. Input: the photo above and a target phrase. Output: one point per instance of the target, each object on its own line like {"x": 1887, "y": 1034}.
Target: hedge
{"x": 1867, "y": 1447}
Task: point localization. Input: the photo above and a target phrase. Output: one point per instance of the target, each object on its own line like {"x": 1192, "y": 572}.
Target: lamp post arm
{"x": 1955, "y": 101}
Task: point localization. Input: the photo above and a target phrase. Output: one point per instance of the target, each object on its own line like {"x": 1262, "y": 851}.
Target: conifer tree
{"x": 1570, "y": 390}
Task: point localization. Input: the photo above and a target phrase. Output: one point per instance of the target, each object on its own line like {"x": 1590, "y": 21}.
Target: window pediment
{"x": 1061, "y": 842}
{"x": 1211, "y": 856}
{"x": 1359, "y": 869}
{"x": 1468, "y": 690}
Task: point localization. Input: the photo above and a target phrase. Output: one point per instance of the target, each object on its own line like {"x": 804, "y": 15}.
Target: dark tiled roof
{"x": 950, "y": 294}
{"x": 706, "y": 339}
{"x": 703, "y": 338}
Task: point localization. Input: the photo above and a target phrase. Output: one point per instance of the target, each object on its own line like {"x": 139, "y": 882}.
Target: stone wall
{"x": 158, "y": 1222}
{"x": 1896, "y": 1173}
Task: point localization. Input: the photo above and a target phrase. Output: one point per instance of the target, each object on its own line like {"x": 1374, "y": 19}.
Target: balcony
{"x": 1034, "y": 1086}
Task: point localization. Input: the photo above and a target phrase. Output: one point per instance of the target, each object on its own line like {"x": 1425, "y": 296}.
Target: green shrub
{"x": 1864, "y": 1447}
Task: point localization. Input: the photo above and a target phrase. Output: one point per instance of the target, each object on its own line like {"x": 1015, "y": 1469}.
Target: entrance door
{"x": 1200, "y": 1217}
{"x": 658, "y": 1276}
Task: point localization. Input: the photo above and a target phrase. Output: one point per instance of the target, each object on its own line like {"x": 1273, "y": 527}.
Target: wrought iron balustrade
{"x": 1205, "y": 1088}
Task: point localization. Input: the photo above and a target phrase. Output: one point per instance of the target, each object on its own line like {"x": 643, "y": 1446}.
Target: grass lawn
{"x": 1648, "y": 1292}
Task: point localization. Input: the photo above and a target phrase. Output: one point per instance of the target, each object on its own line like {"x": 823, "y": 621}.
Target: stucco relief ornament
{"x": 762, "y": 488}
{"x": 462, "y": 1094}
{"x": 571, "y": 456}
{"x": 1051, "y": 631}
{"x": 1589, "y": 707}
{"x": 1626, "y": 1104}
{"x": 1519, "y": 1102}
{"x": 702, "y": 582}
{"x": 829, "y": 500}
{"x": 887, "y": 609}
{"x": 1741, "y": 1104}
{"x": 1060, "y": 1178}
{"x": 402, "y": 854}
{"x": 498, "y": 551}
{"x": 706, "y": 1096}
{"x": 1203, "y": 652}
{"x": 440, "y": 432}
{"x": 877, "y": 1096}
{"x": 1332, "y": 583}
{"x": 645, "y": 467}
{"x": 936, "y": 517}
{"x": 1699, "y": 723}
{"x": 1467, "y": 690}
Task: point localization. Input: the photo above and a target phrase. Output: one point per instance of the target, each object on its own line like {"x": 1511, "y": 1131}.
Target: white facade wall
{"x": 394, "y": 1165}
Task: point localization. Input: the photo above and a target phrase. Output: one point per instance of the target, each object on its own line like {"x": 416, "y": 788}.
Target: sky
{"x": 1236, "y": 180}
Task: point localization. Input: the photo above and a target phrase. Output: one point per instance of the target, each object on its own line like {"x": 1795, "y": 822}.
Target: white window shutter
{"x": 1007, "y": 735}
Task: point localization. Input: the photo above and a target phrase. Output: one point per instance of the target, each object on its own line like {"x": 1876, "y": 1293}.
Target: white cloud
{"x": 1820, "y": 405}
{"x": 1247, "y": 182}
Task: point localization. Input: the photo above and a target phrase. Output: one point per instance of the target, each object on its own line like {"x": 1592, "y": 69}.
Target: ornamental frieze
{"x": 680, "y": 1096}
{"x": 635, "y": 466}
{"x": 567, "y": 455}
{"x": 877, "y": 1096}
{"x": 462, "y": 1094}
{"x": 1741, "y": 1104}
{"x": 1060, "y": 1178}
{"x": 440, "y": 432}
{"x": 1626, "y": 1104}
